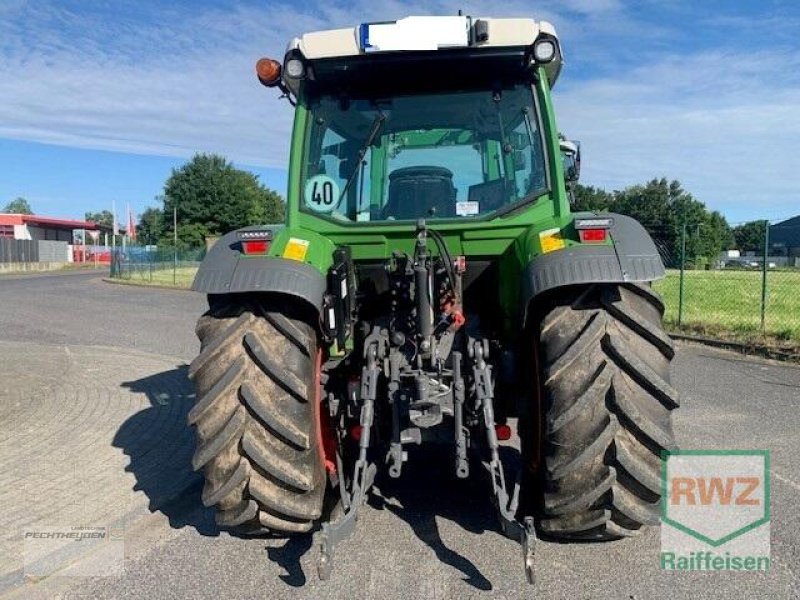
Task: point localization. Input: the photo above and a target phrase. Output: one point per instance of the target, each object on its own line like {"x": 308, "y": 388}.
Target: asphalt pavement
{"x": 93, "y": 385}
{"x": 79, "y": 309}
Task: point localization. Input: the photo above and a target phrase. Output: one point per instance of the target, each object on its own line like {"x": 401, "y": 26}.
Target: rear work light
{"x": 544, "y": 50}
{"x": 295, "y": 68}
{"x": 594, "y": 222}
{"x": 254, "y": 234}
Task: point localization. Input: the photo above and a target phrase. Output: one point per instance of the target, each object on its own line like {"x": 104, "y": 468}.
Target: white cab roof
{"x": 425, "y": 33}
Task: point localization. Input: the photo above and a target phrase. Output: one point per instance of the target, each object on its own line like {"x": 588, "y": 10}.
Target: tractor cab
{"x": 426, "y": 117}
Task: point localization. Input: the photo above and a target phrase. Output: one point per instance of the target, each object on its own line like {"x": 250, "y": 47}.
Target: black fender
{"x": 633, "y": 257}
{"x": 225, "y": 270}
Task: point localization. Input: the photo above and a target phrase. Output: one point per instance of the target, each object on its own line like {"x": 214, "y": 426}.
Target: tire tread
{"x": 607, "y": 411}
{"x": 255, "y": 417}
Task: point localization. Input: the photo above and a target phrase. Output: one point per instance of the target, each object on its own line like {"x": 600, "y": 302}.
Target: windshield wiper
{"x": 375, "y": 129}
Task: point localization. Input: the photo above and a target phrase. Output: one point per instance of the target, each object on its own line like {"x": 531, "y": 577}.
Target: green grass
{"x": 728, "y": 304}
{"x": 164, "y": 277}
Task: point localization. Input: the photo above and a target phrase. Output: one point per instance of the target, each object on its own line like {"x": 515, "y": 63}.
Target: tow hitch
{"x": 364, "y": 471}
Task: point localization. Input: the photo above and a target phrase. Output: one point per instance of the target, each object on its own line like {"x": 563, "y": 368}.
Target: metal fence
{"x": 749, "y": 295}
{"x": 30, "y": 251}
{"x": 18, "y": 251}
{"x": 52, "y": 251}
{"x": 149, "y": 264}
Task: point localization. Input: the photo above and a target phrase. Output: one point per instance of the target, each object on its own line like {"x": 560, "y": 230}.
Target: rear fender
{"x": 226, "y": 270}
{"x": 632, "y": 257}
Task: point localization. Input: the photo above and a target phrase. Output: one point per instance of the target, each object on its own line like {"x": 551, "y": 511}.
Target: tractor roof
{"x": 423, "y": 35}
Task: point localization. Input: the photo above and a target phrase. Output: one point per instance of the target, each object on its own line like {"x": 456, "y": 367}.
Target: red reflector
{"x": 255, "y": 246}
{"x": 592, "y": 235}
{"x": 503, "y": 432}
{"x": 355, "y": 432}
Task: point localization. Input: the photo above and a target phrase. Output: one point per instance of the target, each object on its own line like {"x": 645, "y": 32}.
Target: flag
{"x": 115, "y": 227}
{"x": 131, "y": 225}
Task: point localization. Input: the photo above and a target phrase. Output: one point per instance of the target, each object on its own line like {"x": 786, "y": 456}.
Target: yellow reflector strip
{"x": 296, "y": 249}
{"x": 551, "y": 239}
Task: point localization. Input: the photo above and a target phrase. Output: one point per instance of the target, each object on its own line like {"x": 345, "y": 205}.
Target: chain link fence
{"x": 750, "y": 295}
{"x": 156, "y": 266}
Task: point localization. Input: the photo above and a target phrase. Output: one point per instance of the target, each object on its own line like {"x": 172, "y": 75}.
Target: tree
{"x": 104, "y": 217}
{"x": 274, "y": 206}
{"x": 663, "y": 207}
{"x": 18, "y": 206}
{"x": 151, "y": 225}
{"x": 593, "y": 199}
{"x": 716, "y": 236}
{"x": 749, "y": 237}
{"x": 212, "y": 198}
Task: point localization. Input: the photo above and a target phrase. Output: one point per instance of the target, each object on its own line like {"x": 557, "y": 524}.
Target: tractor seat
{"x": 420, "y": 192}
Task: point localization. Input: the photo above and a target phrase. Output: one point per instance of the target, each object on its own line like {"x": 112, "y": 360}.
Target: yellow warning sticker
{"x": 551, "y": 239}
{"x": 296, "y": 249}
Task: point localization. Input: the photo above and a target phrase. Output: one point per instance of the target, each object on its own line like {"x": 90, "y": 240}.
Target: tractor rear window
{"x": 438, "y": 156}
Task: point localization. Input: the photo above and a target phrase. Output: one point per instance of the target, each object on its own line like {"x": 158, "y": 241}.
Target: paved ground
{"x": 78, "y": 309}
{"x": 80, "y": 428}
{"x": 93, "y": 397}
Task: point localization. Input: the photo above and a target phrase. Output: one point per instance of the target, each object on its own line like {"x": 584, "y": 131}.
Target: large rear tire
{"x": 606, "y": 411}
{"x": 256, "y": 416}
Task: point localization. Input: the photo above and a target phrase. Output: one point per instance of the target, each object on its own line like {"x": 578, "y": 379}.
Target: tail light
{"x": 592, "y": 236}
{"x": 254, "y": 241}
{"x": 593, "y": 230}
{"x": 255, "y": 247}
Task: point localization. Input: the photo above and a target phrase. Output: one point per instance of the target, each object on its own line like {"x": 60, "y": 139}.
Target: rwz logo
{"x": 711, "y": 501}
{"x": 702, "y": 490}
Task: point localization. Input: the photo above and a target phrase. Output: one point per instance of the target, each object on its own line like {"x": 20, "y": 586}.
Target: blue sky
{"x": 99, "y": 100}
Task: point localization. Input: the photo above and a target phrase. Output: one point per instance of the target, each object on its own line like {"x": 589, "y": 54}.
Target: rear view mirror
{"x": 571, "y": 158}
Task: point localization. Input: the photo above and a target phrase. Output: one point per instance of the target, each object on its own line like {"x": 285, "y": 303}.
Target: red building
{"x": 33, "y": 238}
{"x": 35, "y": 227}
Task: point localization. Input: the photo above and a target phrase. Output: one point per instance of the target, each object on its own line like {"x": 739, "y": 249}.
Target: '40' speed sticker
{"x": 321, "y": 194}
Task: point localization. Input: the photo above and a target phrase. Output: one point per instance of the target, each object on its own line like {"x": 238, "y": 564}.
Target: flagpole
{"x": 114, "y": 225}
{"x": 174, "y": 243}
{"x": 114, "y": 260}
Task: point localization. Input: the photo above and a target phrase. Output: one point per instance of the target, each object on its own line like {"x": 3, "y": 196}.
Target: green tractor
{"x": 430, "y": 283}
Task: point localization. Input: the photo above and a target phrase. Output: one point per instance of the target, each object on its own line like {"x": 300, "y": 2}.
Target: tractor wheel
{"x": 257, "y": 416}
{"x": 606, "y": 411}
